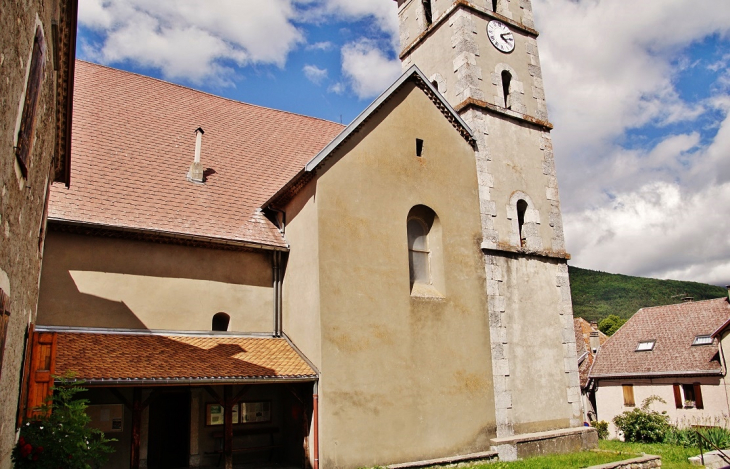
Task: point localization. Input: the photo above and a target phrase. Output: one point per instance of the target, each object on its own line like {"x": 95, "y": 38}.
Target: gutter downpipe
{"x": 315, "y": 424}
{"x": 275, "y": 272}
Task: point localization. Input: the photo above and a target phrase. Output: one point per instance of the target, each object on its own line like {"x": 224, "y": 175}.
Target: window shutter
{"x": 42, "y": 369}
{"x": 4, "y": 321}
{"x": 629, "y": 395}
{"x": 25, "y": 375}
{"x": 698, "y": 396}
{"x": 678, "y": 397}
{"x": 32, "y": 92}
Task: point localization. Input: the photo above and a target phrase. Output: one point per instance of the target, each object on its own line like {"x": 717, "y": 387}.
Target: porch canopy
{"x": 152, "y": 358}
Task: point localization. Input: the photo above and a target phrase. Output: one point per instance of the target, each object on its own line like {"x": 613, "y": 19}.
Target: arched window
{"x": 418, "y": 252}
{"x": 521, "y": 209}
{"x": 506, "y": 79}
{"x": 220, "y": 321}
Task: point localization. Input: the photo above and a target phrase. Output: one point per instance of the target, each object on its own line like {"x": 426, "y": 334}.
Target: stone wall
{"x": 22, "y": 199}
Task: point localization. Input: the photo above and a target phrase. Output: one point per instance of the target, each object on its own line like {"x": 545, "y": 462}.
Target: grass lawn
{"x": 560, "y": 461}
{"x": 673, "y": 457}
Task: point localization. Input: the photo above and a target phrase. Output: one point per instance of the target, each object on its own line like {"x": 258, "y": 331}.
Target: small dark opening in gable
{"x": 419, "y": 147}
{"x": 220, "y": 322}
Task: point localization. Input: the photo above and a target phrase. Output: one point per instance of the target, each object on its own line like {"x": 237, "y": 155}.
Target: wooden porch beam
{"x": 136, "y": 427}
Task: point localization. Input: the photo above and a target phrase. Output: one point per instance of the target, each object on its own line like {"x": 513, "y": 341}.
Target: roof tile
{"x": 674, "y": 328}
{"x": 133, "y": 143}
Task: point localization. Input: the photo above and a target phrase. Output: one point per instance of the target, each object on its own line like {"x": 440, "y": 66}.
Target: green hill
{"x": 597, "y": 294}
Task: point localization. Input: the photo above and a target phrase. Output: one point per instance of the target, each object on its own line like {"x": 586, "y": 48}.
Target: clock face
{"x": 501, "y": 36}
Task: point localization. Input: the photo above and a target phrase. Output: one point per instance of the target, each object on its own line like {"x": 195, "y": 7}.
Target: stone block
{"x": 501, "y": 367}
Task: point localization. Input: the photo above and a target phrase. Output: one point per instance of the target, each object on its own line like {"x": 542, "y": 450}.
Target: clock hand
{"x": 506, "y": 37}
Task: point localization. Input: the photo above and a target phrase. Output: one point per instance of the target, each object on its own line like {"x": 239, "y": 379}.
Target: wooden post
{"x": 228, "y": 426}
{"x": 136, "y": 427}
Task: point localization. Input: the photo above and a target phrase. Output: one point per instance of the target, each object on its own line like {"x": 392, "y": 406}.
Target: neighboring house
{"x": 37, "y": 39}
{"x": 667, "y": 351}
{"x": 231, "y": 279}
{"x": 588, "y": 341}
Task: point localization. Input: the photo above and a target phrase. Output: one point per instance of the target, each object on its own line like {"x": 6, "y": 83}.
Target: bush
{"x": 601, "y": 427}
{"x": 642, "y": 424}
{"x": 687, "y": 437}
{"x": 61, "y": 438}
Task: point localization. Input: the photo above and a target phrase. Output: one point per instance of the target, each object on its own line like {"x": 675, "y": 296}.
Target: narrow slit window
{"x": 521, "y": 210}
{"x": 427, "y": 11}
{"x": 435, "y": 84}
{"x": 221, "y": 321}
{"x": 506, "y": 81}
{"x": 494, "y": 5}
{"x": 419, "y": 147}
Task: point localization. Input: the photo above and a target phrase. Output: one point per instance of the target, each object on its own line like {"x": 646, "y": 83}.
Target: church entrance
{"x": 169, "y": 430}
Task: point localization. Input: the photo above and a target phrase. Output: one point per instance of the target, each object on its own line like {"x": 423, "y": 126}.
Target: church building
{"x": 242, "y": 284}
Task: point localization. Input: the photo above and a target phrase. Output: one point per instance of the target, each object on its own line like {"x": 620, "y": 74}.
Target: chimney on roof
{"x": 594, "y": 325}
{"x": 688, "y": 299}
{"x": 196, "y": 169}
{"x": 595, "y": 341}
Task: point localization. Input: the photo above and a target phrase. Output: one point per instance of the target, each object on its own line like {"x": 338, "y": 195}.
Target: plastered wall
{"x": 610, "y": 400}
{"x": 22, "y": 201}
{"x": 104, "y": 282}
{"x": 402, "y": 377}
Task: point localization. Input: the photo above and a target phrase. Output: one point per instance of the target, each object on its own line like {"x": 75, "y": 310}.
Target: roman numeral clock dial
{"x": 500, "y": 36}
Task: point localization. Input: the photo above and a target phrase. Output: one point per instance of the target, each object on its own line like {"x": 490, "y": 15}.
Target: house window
{"x": 418, "y": 252}
{"x": 688, "y": 396}
{"x": 4, "y": 322}
{"x": 506, "y": 80}
{"x": 32, "y": 92}
{"x": 629, "y": 395}
{"x": 220, "y": 322}
{"x": 702, "y": 340}
{"x": 521, "y": 210}
{"x": 645, "y": 346}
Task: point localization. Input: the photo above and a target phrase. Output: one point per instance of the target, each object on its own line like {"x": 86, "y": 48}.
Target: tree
{"x": 60, "y": 436}
{"x": 610, "y": 324}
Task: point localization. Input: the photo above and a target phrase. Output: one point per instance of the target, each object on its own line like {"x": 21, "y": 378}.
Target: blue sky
{"x": 639, "y": 97}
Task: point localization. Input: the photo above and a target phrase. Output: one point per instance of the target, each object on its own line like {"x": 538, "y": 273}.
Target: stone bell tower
{"x": 482, "y": 56}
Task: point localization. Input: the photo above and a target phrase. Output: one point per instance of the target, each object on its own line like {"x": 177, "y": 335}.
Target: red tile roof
{"x": 134, "y": 356}
{"x": 674, "y": 327}
{"x": 134, "y": 141}
{"x": 583, "y": 330}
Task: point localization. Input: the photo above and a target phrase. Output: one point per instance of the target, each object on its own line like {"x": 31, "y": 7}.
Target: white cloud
{"x": 322, "y": 45}
{"x": 383, "y": 12}
{"x": 652, "y": 209}
{"x": 314, "y": 74}
{"x": 368, "y": 68}
{"x": 190, "y": 40}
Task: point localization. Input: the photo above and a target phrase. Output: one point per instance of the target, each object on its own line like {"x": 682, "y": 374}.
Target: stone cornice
{"x": 471, "y": 102}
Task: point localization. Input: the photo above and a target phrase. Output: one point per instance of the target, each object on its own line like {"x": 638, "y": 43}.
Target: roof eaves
{"x": 413, "y": 71}
{"x": 197, "y": 381}
{"x": 170, "y": 234}
{"x": 639, "y": 374}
